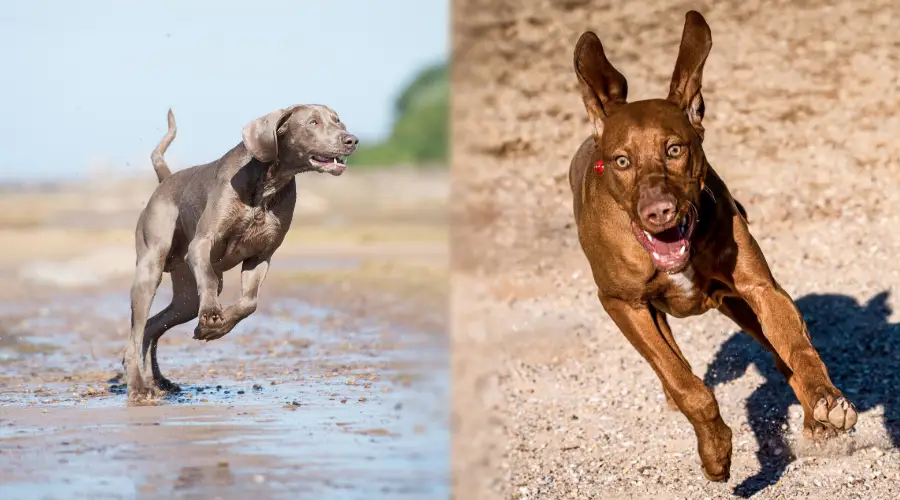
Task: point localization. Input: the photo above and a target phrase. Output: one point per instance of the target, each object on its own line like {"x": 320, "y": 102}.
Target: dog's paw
{"x": 147, "y": 396}
{"x": 714, "y": 446}
{"x": 212, "y": 322}
{"x": 209, "y": 333}
{"x": 167, "y": 385}
{"x": 142, "y": 392}
{"x": 211, "y": 318}
{"x": 832, "y": 414}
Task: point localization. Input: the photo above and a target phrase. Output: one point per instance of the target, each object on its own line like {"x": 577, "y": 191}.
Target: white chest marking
{"x": 684, "y": 280}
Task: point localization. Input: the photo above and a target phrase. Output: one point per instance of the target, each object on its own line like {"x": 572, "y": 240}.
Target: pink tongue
{"x": 668, "y": 241}
{"x": 664, "y": 248}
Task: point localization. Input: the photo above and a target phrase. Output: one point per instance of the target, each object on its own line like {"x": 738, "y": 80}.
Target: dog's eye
{"x": 622, "y": 162}
{"x": 314, "y": 122}
{"x": 674, "y": 151}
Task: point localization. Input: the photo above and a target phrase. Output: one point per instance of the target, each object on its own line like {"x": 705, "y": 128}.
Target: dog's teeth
{"x": 655, "y": 255}
{"x": 681, "y": 252}
{"x": 649, "y": 236}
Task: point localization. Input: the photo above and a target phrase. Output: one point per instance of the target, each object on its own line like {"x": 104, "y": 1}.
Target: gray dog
{"x": 205, "y": 220}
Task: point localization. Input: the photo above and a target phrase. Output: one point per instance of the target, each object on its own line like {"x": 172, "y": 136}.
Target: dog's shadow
{"x": 862, "y": 353}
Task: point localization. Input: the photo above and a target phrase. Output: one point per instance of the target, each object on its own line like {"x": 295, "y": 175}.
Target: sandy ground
{"x": 803, "y": 115}
{"x": 337, "y": 387}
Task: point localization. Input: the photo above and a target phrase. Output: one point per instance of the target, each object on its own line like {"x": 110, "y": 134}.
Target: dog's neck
{"x": 270, "y": 183}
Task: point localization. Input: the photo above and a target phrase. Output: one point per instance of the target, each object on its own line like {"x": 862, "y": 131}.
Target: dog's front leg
{"x": 253, "y": 273}
{"x": 639, "y": 324}
{"x": 825, "y": 408}
{"x": 199, "y": 260}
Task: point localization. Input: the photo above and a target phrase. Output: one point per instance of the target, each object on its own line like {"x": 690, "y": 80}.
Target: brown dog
{"x": 664, "y": 236}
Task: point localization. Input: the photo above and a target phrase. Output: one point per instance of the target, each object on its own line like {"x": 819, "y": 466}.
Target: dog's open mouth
{"x": 325, "y": 161}
{"x": 335, "y": 165}
{"x": 669, "y": 249}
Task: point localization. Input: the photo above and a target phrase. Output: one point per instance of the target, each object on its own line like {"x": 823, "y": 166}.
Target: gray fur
{"x": 207, "y": 219}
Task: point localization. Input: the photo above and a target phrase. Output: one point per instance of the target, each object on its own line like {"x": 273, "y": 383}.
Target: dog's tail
{"x": 159, "y": 163}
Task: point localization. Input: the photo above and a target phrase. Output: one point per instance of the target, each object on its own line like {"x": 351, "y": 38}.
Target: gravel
{"x": 803, "y": 115}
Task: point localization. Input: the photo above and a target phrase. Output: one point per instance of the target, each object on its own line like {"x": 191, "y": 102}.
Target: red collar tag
{"x": 598, "y": 167}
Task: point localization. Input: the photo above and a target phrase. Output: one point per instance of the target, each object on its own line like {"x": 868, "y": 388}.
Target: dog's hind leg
{"x": 153, "y": 239}
{"x": 147, "y": 277}
{"x": 184, "y": 306}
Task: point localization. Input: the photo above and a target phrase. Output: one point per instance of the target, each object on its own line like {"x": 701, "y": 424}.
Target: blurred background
{"x": 95, "y": 79}
{"x": 348, "y": 344}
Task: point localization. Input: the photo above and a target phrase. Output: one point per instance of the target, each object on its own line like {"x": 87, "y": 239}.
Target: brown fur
{"x": 653, "y": 157}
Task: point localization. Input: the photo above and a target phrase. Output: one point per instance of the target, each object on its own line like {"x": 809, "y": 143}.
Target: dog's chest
{"x": 681, "y": 294}
{"x": 684, "y": 281}
{"x": 256, "y": 231}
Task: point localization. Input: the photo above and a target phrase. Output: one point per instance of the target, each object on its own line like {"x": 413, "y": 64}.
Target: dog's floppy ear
{"x": 261, "y": 135}
{"x": 696, "y": 41}
{"x": 603, "y": 88}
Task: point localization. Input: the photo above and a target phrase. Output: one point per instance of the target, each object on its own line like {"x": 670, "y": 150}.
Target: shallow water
{"x": 298, "y": 401}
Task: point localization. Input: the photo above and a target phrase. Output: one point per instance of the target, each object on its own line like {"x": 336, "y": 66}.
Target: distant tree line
{"x": 421, "y": 128}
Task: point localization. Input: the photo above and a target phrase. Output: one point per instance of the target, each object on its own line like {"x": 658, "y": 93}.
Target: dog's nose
{"x": 660, "y": 211}
{"x": 350, "y": 140}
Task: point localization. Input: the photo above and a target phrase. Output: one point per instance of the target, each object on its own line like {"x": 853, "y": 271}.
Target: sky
{"x": 85, "y": 86}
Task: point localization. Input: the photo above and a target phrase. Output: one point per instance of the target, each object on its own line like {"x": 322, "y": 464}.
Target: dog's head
{"x": 302, "y": 138}
{"x": 652, "y": 149}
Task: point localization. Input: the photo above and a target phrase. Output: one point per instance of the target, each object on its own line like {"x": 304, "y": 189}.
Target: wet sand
{"x": 337, "y": 386}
